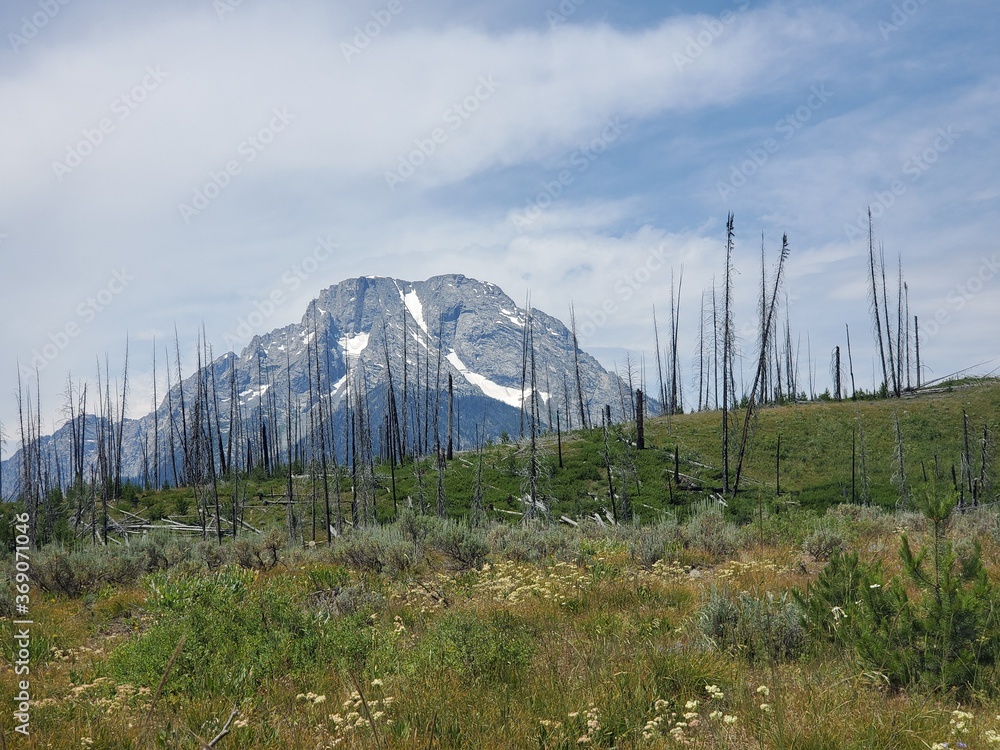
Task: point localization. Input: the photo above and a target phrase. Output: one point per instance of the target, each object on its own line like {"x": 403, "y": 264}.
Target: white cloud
{"x": 551, "y": 92}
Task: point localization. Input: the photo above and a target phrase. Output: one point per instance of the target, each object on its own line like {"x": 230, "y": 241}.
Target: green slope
{"x": 815, "y": 463}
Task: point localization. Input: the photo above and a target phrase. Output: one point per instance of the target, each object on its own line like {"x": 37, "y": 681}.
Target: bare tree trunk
{"x": 715, "y": 348}
{"x": 676, "y": 391}
{"x": 607, "y": 466}
{"x": 659, "y": 364}
{"x": 726, "y": 351}
{"x": 576, "y": 367}
{"x": 875, "y": 306}
{"x": 121, "y": 427}
{"x": 172, "y": 424}
{"x": 451, "y": 419}
{"x": 761, "y": 365}
{"x": 906, "y": 294}
{"x": 156, "y": 427}
{"x": 290, "y": 514}
{"x": 702, "y": 386}
{"x": 406, "y": 417}
{"x": 888, "y": 328}
{"x": 640, "y": 427}
{"x": 850, "y": 362}
{"x": 180, "y": 386}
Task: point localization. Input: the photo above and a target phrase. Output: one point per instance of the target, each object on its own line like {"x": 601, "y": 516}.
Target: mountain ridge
{"x": 350, "y": 341}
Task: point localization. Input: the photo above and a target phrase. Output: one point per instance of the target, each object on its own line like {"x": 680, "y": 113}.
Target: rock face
{"x": 350, "y": 344}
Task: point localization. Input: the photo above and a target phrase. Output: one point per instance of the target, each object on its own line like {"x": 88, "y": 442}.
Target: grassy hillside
{"x": 741, "y": 626}
{"x": 814, "y": 466}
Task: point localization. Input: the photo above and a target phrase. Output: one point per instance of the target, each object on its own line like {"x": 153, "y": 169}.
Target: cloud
{"x": 491, "y": 112}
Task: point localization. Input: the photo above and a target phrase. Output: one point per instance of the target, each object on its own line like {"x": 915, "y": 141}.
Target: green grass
{"x": 435, "y": 634}
{"x": 814, "y": 466}
{"x": 581, "y": 639}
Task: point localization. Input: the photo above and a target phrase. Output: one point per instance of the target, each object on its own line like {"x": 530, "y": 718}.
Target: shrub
{"x": 530, "y": 542}
{"x": 768, "y": 629}
{"x": 73, "y": 574}
{"x": 824, "y": 543}
{"x": 465, "y": 546}
{"x": 709, "y": 531}
{"x": 650, "y": 544}
{"x": 348, "y": 600}
{"x": 213, "y": 555}
{"x": 362, "y": 551}
{"x": 261, "y": 553}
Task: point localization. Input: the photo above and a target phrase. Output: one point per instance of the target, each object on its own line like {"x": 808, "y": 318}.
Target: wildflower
{"x": 715, "y": 715}
{"x": 691, "y": 705}
{"x": 728, "y": 720}
{"x": 583, "y": 740}
{"x": 764, "y": 690}
{"x": 573, "y": 714}
{"x": 377, "y": 682}
{"x": 319, "y": 699}
{"x": 765, "y": 707}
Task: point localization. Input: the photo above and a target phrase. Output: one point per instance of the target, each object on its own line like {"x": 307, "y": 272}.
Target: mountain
{"x": 352, "y": 334}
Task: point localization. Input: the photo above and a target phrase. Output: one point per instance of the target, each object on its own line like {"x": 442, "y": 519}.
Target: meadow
{"x": 791, "y": 620}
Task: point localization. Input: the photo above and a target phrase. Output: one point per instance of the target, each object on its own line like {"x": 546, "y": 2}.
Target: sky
{"x": 216, "y": 163}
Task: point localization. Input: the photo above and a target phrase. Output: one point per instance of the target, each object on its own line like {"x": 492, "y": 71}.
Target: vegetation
{"x": 555, "y": 637}
{"x": 827, "y": 579}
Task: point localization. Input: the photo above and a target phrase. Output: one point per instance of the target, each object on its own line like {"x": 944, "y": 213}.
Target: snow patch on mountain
{"x": 513, "y": 316}
{"x": 354, "y": 345}
{"x": 416, "y": 310}
{"x": 510, "y": 396}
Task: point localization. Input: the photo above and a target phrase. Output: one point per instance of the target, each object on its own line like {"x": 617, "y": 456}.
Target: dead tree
{"x": 850, "y": 364}
{"x": 576, "y": 367}
{"x": 673, "y": 403}
{"x": 835, "y": 371}
{"x": 727, "y": 322}
{"x": 761, "y": 365}
{"x": 888, "y": 328}
{"x": 659, "y": 364}
{"x": 873, "y": 290}
{"x": 640, "y": 428}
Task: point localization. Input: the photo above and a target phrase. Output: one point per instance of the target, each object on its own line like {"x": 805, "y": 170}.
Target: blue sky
{"x": 177, "y": 163}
